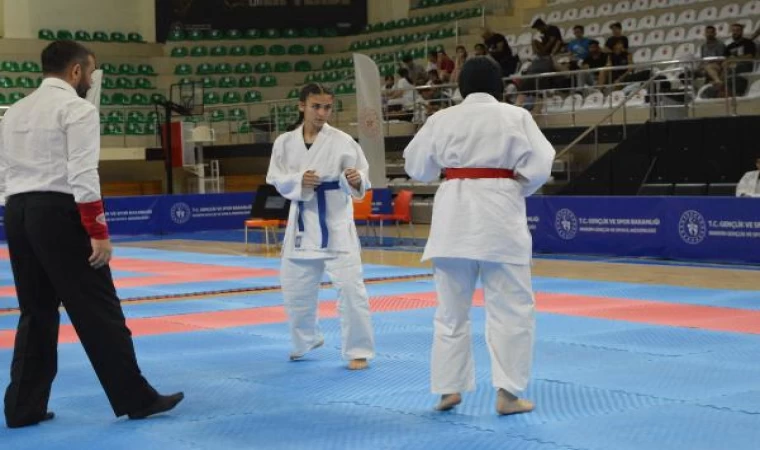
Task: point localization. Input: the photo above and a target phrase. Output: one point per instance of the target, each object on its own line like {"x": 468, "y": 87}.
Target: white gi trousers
{"x": 300, "y": 287}
{"x": 510, "y": 324}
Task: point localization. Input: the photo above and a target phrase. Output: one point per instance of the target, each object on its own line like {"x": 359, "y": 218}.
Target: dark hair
{"x": 481, "y": 74}
{"x": 710, "y": 27}
{"x": 407, "y": 58}
{"x": 479, "y": 45}
{"x": 616, "y": 25}
{"x": 593, "y": 42}
{"x": 60, "y": 55}
{"x": 737, "y": 25}
{"x": 403, "y": 72}
{"x": 306, "y": 91}
{"x": 579, "y": 27}
{"x": 538, "y": 23}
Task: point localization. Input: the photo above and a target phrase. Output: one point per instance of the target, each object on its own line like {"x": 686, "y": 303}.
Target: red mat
{"x": 649, "y": 312}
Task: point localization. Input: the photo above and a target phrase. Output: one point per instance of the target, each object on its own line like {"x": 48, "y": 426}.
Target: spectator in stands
{"x": 710, "y": 49}
{"x": 619, "y": 58}
{"x": 551, "y": 39}
{"x": 480, "y": 50}
{"x": 545, "y": 49}
{"x": 749, "y": 185}
{"x": 579, "y": 47}
{"x": 432, "y": 61}
{"x": 433, "y": 78}
{"x": 595, "y": 59}
{"x": 499, "y": 49}
{"x": 445, "y": 65}
{"x": 617, "y": 36}
{"x": 416, "y": 72}
{"x": 740, "y": 48}
{"x": 402, "y": 98}
{"x": 461, "y": 57}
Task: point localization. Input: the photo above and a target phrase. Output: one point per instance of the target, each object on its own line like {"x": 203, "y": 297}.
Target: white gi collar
{"x": 479, "y": 97}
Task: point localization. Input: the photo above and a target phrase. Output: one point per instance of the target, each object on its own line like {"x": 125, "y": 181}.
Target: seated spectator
{"x": 445, "y": 65}
{"x": 480, "y": 50}
{"x": 579, "y": 47}
{"x": 432, "y": 61}
{"x": 619, "y": 58}
{"x": 416, "y": 72}
{"x": 401, "y": 100}
{"x": 499, "y": 49}
{"x": 545, "y": 49}
{"x": 433, "y": 78}
{"x": 741, "y": 51}
{"x": 595, "y": 59}
{"x": 617, "y": 36}
{"x": 749, "y": 185}
{"x": 460, "y": 58}
{"x": 710, "y": 49}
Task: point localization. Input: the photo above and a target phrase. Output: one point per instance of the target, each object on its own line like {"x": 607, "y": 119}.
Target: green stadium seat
{"x": 316, "y": 49}
{"x": 219, "y": 51}
{"x": 310, "y": 78}
{"x": 135, "y": 37}
{"x": 402, "y": 23}
{"x": 81, "y": 35}
{"x": 109, "y": 83}
{"x": 115, "y": 117}
{"x": 329, "y": 64}
{"x": 217, "y": 115}
{"x": 253, "y": 33}
{"x": 238, "y": 50}
{"x": 329, "y": 32}
{"x": 102, "y": 118}
{"x": 151, "y": 128}
{"x": 120, "y": 98}
{"x": 263, "y": 67}
{"x": 215, "y": 35}
{"x": 332, "y": 77}
{"x": 243, "y": 68}
{"x": 291, "y": 33}
{"x": 199, "y": 51}
{"x": 223, "y": 68}
{"x": 157, "y": 98}
{"x": 204, "y": 69}
{"x": 195, "y": 35}
{"x": 31, "y": 67}
{"x": 118, "y": 36}
{"x": 211, "y": 98}
{"x": 105, "y": 99}
{"x": 268, "y": 81}
{"x": 109, "y": 69}
{"x": 236, "y": 115}
{"x": 64, "y": 34}
{"x": 185, "y": 81}
{"x": 272, "y": 33}
{"x": 10, "y": 66}
{"x": 208, "y": 82}
{"x": 310, "y": 32}
{"x": 124, "y": 83}
{"x": 176, "y": 35}
{"x": 146, "y": 69}
{"x": 354, "y": 46}
{"x": 180, "y": 52}
{"x": 247, "y": 82}
{"x": 127, "y": 69}
{"x": 16, "y": 96}
{"x": 245, "y": 127}
{"x": 100, "y": 36}
{"x": 283, "y": 67}
{"x": 140, "y": 99}
{"x": 112, "y": 129}
{"x": 154, "y": 116}
{"x": 257, "y": 50}
{"x": 233, "y": 34}
{"x": 183, "y": 69}
{"x": 144, "y": 83}
{"x": 341, "y": 89}
{"x": 231, "y": 98}
{"x": 277, "y": 50}
{"x": 136, "y": 117}
{"x": 303, "y": 66}
{"x": 296, "y": 49}
{"x": 46, "y": 34}
{"x": 227, "y": 82}
{"x": 252, "y": 97}
{"x": 135, "y": 129}
{"x": 294, "y": 93}
{"x": 390, "y": 25}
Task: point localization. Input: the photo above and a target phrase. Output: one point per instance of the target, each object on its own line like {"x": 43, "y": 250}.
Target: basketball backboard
{"x": 189, "y": 96}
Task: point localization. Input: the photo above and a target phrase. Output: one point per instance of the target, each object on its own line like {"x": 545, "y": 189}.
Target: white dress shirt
{"x": 749, "y": 185}
{"x": 50, "y": 141}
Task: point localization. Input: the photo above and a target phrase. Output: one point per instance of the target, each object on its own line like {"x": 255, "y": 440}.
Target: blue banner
{"x": 200, "y": 212}
{"x": 133, "y": 215}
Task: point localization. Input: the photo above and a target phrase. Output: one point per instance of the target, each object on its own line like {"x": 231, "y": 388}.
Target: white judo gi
{"x": 479, "y": 230}
{"x": 321, "y": 237}
{"x": 749, "y": 185}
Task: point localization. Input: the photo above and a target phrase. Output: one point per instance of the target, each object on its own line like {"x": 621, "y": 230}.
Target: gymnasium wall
{"x": 385, "y": 10}
{"x": 22, "y": 19}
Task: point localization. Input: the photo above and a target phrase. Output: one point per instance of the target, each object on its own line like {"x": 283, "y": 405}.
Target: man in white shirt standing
{"x": 59, "y": 244}
{"x": 494, "y": 155}
{"x": 749, "y": 185}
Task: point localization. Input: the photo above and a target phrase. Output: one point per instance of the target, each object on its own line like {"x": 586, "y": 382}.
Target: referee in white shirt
{"x": 59, "y": 245}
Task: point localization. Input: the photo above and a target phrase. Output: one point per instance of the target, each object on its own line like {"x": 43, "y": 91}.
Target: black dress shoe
{"x": 25, "y": 423}
{"x": 162, "y": 404}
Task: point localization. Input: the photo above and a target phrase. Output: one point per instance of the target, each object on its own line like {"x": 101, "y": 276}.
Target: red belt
{"x": 470, "y": 173}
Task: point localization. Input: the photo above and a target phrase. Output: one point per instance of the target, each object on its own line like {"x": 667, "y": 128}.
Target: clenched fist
{"x": 310, "y": 179}
{"x": 354, "y": 178}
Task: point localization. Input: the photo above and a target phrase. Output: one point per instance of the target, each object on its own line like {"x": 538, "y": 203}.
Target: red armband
{"x": 94, "y": 219}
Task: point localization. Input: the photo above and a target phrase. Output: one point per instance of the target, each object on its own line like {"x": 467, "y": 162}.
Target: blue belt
{"x": 321, "y": 209}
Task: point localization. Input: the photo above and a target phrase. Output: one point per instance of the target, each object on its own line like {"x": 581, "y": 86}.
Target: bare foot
{"x": 507, "y": 403}
{"x": 358, "y": 364}
{"x": 448, "y": 402}
{"x": 295, "y": 356}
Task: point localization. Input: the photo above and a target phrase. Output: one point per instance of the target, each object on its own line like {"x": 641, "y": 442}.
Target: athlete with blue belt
{"x": 320, "y": 169}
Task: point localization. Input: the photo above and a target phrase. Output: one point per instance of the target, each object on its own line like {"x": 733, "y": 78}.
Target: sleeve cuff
{"x": 93, "y": 218}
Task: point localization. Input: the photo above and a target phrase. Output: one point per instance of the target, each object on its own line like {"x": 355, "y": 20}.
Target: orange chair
{"x": 402, "y": 213}
{"x": 363, "y": 209}
{"x": 269, "y": 226}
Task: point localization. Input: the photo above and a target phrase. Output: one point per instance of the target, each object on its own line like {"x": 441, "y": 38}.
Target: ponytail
{"x": 306, "y": 91}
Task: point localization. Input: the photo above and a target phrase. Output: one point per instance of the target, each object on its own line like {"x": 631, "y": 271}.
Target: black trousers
{"x": 49, "y": 250}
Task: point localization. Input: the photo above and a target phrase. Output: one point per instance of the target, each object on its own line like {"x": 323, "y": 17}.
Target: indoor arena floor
{"x": 629, "y": 355}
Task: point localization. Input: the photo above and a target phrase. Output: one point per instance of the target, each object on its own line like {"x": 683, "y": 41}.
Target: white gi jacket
{"x": 481, "y": 219}
{"x": 748, "y": 185}
{"x": 329, "y": 230}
